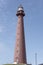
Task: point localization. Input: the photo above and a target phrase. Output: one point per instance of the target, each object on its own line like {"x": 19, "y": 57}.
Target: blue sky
{"x": 33, "y": 24}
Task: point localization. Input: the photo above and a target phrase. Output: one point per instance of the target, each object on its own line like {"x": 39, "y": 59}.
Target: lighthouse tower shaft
{"x": 20, "y": 51}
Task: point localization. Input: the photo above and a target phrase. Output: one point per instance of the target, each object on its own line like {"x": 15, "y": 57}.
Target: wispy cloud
{"x": 2, "y": 4}
{"x": 4, "y": 52}
{"x": 3, "y": 47}
{"x": 1, "y": 28}
{"x": 3, "y": 15}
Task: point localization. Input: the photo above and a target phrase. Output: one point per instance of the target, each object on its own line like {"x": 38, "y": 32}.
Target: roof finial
{"x": 20, "y": 6}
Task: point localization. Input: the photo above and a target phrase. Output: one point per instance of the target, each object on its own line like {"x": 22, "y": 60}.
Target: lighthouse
{"x": 20, "y": 49}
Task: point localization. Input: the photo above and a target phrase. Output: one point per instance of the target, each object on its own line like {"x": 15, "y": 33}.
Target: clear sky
{"x": 33, "y": 24}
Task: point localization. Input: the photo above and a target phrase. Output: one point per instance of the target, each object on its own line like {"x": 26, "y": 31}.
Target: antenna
{"x": 35, "y": 58}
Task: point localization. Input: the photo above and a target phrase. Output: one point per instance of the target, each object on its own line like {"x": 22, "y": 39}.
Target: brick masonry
{"x": 20, "y": 50}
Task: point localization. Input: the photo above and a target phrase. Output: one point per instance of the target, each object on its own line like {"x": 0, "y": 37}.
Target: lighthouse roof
{"x": 20, "y": 8}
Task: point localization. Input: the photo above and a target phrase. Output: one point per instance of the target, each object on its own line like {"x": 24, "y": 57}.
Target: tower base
{"x": 17, "y": 64}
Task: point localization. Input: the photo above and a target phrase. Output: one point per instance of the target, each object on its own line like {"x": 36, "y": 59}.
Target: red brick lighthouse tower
{"x": 20, "y": 51}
